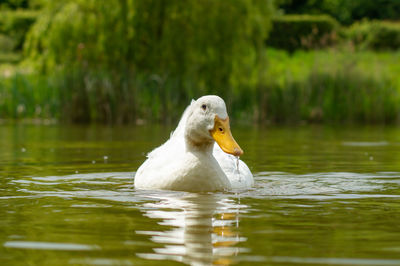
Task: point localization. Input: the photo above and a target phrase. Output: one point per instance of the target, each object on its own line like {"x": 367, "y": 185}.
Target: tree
{"x": 142, "y": 58}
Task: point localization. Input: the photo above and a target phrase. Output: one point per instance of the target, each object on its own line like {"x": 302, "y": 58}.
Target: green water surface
{"x": 323, "y": 196}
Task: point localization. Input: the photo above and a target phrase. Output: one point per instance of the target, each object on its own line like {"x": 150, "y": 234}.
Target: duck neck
{"x": 204, "y": 146}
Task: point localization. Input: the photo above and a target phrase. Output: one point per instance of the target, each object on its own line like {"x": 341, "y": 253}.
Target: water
{"x": 323, "y": 196}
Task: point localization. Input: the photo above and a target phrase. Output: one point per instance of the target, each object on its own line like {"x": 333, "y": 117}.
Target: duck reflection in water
{"x": 203, "y": 229}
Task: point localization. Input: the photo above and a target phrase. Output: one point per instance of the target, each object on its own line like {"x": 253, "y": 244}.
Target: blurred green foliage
{"x": 14, "y": 4}
{"x": 6, "y": 43}
{"x": 120, "y": 60}
{"x": 126, "y": 61}
{"x": 21, "y": 4}
{"x": 28, "y": 96}
{"x": 345, "y": 11}
{"x": 292, "y": 32}
{"x": 375, "y": 35}
{"x": 313, "y": 86}
{"x": 329, "y": 86}
{"x": 13, "y": 27}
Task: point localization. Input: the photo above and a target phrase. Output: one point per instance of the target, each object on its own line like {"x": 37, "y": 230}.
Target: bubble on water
{"x": 23, "y": 150}
{"x": 93, "y": 162}
{"x": 76, "y": 172}
{"x": 371, "y": 158}
{"x": 105, "y": 157}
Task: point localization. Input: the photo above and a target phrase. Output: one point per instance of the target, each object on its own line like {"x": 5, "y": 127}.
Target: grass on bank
{"x": 315, "y": 86}
{"x": 332, "y": 86}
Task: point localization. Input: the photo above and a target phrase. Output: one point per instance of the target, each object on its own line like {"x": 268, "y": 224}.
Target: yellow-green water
{"x": 323, "y": 196}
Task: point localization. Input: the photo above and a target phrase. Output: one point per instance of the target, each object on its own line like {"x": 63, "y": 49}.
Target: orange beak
{"x": 221, "y": 133}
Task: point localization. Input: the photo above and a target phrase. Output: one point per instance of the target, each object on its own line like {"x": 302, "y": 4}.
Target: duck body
{"x": 189, "y": 160}
{"x": 186, "y": 171}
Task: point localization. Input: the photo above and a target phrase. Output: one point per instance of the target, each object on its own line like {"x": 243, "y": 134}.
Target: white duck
{"x": 189, "y": 160}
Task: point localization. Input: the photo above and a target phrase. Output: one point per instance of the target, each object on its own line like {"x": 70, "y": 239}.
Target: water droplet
{"x": 237, "y": 168}
{"x": 23, "y": 150}
{"x": 76, "y": 172}
{"x": 371, "y": 158}
{"x": 105, "y": 157}
{"x": 93, "y": 162}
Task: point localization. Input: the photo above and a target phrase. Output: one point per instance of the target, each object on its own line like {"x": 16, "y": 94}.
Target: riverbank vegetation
{"x": 317, "y": 86}
{"x": 134, "y": 61}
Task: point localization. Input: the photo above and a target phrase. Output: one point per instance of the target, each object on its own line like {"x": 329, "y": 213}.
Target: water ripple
{"x": 118, "y": 186}
{"x": 49, "y": 245}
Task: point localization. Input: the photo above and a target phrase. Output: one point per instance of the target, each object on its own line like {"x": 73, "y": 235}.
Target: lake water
{"x": 323, "y": 196}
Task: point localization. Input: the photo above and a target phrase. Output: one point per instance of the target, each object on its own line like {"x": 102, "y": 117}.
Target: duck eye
{"x": 204, "y": 107}
{"x": 220, "y": 129}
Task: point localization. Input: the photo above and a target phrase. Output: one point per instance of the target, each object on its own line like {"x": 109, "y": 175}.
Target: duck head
{"x": 207, "y": 122}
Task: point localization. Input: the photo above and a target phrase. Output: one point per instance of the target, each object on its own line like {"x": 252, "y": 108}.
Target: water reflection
{"x": 200, "y": 229}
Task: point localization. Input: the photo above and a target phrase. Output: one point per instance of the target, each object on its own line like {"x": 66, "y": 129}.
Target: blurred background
{"x": 142, "y": 61}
